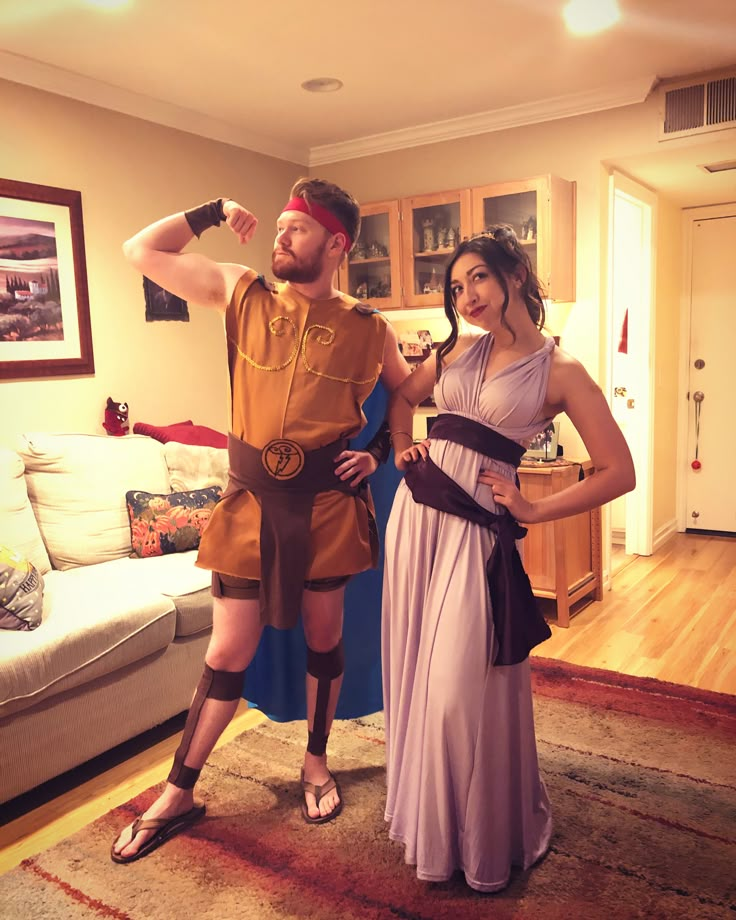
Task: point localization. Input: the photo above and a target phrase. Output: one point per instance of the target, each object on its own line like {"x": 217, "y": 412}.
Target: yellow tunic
{"x": 299, "y": 369}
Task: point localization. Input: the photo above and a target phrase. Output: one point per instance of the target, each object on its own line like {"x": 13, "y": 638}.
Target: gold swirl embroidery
{"x": 327, "y": 341}
{"x": 274, "y": 331}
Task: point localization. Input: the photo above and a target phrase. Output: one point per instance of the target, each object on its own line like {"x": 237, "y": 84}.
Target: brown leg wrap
{"x": 213, "y": 685}
{"x": 324, "y": 667}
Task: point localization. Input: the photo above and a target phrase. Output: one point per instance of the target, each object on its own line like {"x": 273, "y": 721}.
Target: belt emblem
{"x": 282, "y": 459}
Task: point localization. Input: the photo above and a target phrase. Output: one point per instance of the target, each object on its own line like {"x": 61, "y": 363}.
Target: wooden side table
{"x": 562, "y": 558}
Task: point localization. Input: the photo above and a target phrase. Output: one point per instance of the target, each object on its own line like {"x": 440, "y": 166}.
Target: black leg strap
{"x": 324, "y": 667}
{"x": 213, "y": 685}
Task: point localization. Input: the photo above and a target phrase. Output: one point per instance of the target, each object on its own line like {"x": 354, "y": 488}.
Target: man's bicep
{"x": 189, "y": 275}
{"x": 395, "y": 369}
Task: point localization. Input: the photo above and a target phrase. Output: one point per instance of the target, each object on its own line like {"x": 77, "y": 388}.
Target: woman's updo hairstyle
{"x": 499, "y": 249}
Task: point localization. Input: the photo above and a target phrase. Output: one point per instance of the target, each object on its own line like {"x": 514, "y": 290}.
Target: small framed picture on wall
{"x": 162, "y": 304}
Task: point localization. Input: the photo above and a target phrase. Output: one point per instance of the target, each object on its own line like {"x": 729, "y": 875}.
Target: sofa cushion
{"x": 177, "y": 577}
{"x": 194, "y": 467}
{"x": 173, "y": 523}
{"x": 193, "y": 611}
{"x": 18, "y": 528}
{"x": 77, "y": 485}
{"x": 96, "y": 619}
{"x": 21, "y": 592}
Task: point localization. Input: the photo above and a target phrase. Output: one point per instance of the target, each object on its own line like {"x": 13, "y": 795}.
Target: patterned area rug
{"x": 640, "y": 774}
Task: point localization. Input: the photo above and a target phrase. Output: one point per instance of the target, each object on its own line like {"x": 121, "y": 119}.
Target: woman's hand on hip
{"x": 413, "y": 454}
{"x": 507, "y": 495}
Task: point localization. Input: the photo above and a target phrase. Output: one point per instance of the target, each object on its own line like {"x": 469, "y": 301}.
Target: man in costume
{"x": 274, "y": 681}
{"x": 296, "y": 520}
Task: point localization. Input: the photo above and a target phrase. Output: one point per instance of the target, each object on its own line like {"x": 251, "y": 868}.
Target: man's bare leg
{"x": 236, "y": 631}
{"x": 322, "y": 616}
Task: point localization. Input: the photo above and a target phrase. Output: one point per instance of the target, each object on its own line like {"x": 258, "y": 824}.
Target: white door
{"x": 630, "y": 351}
{"x": 711, "y": 432}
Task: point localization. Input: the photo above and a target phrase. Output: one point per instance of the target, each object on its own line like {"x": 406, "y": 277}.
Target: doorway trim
{"x": 640, "y": 502}
{"x": 689, "y": 218}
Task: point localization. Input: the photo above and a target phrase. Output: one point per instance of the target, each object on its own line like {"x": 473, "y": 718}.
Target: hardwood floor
{"x": 671, "y": 616}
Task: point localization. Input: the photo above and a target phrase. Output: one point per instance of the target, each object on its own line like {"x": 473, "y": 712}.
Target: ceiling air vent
{"x": 698, "y": 107}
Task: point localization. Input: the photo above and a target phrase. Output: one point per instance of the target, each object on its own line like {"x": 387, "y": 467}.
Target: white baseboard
{"x": 663, "y": 534}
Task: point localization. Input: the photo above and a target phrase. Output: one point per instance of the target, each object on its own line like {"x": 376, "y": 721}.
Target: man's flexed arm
{"x": 156, "y": 251}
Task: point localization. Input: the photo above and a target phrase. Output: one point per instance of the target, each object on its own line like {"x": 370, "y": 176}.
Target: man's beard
{"x": 298, "y": 271}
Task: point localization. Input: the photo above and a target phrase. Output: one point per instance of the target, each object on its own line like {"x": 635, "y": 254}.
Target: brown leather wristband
{"x": 210, "y": 214}
{"x": 379, "y": 445}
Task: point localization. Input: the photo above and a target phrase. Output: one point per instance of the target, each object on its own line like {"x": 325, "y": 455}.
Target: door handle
{"x": 630, "y": 404}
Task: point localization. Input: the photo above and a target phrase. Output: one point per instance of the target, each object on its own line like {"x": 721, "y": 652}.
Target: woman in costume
{"x": 459, "y": 616}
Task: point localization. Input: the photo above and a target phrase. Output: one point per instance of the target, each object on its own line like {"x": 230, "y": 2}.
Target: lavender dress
{"x": 464, "y": 790}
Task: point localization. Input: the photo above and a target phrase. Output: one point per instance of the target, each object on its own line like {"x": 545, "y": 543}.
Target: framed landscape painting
{"x": 44, "y": 303}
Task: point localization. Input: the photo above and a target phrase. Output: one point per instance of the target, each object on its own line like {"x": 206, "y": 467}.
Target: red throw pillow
{"x": 195, "y": 434}
{"x": 157, "y": 431}
{"x": 184, "y": 433}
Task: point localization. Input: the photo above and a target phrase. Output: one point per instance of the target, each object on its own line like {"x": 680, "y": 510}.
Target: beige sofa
{"x": 122, "y": 639}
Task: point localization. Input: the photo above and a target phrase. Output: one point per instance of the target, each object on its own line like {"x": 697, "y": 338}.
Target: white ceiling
{"x": 412, "y": 70}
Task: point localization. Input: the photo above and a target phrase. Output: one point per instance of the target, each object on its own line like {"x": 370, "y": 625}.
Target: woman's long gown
{"x": 464, "y": 790}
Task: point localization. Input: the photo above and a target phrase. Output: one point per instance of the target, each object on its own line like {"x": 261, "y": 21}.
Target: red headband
{"x": 322, "y": 216}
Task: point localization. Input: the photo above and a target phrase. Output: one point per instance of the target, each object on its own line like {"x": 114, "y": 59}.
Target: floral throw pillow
{"x": 21, "y": 592}
{"x": 174, "y": 523}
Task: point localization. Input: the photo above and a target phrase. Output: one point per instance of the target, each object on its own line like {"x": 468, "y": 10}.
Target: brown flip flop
{"x": 319, "y": 792}
{"x": 165, "y": 828}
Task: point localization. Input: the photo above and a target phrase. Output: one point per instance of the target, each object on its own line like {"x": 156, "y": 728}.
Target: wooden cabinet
{"x": 562, "y": 558}
{"x": 399, "y": 260}
{"x": 542, "y": 213}
{"x": 431, "y": 228}
{"x": 372, "y": 272}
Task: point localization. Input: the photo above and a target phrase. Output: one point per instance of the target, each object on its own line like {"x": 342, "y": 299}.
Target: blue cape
{"x": 274, "y": 681}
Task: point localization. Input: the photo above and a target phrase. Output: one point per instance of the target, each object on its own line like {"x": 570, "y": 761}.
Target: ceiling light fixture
{"x": 586, "y": 17}
{"x": 108, "y": 4}
{"x": 322, "y": 85}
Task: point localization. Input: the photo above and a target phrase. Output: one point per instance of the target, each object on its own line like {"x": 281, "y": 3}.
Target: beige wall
{"x": 131, "y": 172}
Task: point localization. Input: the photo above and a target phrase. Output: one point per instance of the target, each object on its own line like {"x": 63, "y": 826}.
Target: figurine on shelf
{"x": 452, "y": 238}
{"x": 382, "y": 288}
{"x": 442, "y": 238}
{"x": 434, "y": 284}
{"x": 361, "y": 291}
{"x": 358, "y": 252}
{"x": 429, "y": 240}
{"x": 531, "y": 228}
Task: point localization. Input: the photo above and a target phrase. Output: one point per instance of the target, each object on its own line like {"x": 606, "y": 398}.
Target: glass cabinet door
{"x": 372, "y": 270}
{"x": 512, "y": 203}
{"x": 431, "y": 227}
{"x": 541, "y": 211}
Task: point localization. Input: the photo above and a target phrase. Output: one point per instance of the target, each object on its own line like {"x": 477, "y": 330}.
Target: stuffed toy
{"x": 116, "y": 418}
